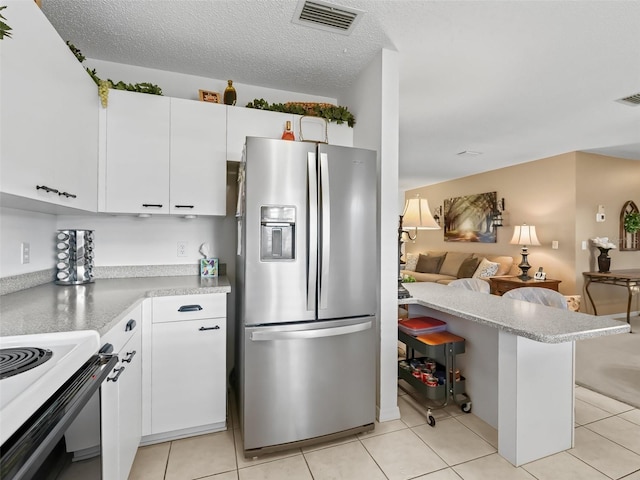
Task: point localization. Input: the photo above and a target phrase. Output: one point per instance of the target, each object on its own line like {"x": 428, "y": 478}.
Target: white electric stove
{"x": 53, "y": 359}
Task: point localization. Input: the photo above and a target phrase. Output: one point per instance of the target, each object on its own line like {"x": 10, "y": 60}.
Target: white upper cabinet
{"x": 198, "y": 158}
{"x": 48, "y": 114}
{"x": 136, "y": 169}
{"x": 163, "y": 155}
{"x": 251, "y": 122}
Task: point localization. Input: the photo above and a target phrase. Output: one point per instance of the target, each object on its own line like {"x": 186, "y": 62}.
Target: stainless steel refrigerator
{"x": 306, "y": 293}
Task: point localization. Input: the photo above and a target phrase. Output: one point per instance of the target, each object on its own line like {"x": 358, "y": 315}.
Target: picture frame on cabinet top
{"x": 207, "y": 96}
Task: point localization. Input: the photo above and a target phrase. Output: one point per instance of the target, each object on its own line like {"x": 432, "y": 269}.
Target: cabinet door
{"x": 49, "y": 117}
{"x": 137, "y": 153}
{"x": 130, "y": 404}
{"x": 249, "y": 122}
{"x": 188, "y": 384}
{"x": 198, "y": 167}
{"x": 121, "y": 398}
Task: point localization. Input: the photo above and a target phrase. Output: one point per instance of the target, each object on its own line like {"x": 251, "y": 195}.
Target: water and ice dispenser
{"x": 277, "y": 232}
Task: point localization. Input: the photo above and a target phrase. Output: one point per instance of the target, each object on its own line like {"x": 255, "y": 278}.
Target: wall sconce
{"x": 437, "y": 215}
{"x": 497, "y": 214}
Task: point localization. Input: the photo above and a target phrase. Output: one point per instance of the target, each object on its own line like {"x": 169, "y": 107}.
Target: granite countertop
{"x": 95, "y": 306}
{"x": 536, "y": 322}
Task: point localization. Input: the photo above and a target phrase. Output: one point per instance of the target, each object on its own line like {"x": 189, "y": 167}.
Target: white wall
{"x": 187, "y": 86}
{"x": 373, "y": 99}
{"x": 38, "y": 229}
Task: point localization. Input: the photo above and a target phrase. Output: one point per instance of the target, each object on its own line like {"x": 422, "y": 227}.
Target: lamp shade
{"x": 524, "y": 235}
{"x": 417, "y": 215}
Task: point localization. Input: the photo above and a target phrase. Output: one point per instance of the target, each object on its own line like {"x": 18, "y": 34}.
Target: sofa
{"x": 443, "y": 267}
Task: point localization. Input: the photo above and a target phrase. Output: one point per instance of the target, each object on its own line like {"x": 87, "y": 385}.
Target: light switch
{"x": 554, "y": 244}
{"x": 584, "y": 244}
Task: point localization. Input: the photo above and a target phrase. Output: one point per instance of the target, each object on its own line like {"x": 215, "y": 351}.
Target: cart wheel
{"x": 432, "y": 421}
{"x": 466, "y": 407}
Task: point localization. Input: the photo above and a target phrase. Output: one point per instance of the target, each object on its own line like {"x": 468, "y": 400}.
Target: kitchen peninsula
{"x": 518, "y": 363}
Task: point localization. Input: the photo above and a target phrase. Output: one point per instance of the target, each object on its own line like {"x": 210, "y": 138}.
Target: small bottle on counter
{"x": 288, "y": 133}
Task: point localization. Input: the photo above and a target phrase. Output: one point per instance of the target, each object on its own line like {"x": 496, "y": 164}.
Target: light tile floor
{"x": 461, "y": 446}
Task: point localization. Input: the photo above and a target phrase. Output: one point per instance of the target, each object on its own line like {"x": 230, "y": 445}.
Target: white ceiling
{"x": 515, "y": 80}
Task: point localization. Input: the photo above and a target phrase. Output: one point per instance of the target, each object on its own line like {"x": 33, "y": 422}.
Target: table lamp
{"x": 416, "y": 215}
{"x": 524, "y": 235}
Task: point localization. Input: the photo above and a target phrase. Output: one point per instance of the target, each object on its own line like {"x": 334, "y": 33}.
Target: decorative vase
{"x": 229, "y": 94}
{"x": 604, "y": 260}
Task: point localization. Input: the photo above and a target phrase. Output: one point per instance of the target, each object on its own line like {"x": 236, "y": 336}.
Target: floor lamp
{"x": 524, "y": 235}
{"x": 416, "y": 215}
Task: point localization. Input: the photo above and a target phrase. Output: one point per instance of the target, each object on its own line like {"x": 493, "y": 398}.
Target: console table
{"x": 622, "y": 278}
{"x": 500, "y": 285}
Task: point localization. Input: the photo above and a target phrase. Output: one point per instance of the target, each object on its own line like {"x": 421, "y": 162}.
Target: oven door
{"x": 31, "y": 452}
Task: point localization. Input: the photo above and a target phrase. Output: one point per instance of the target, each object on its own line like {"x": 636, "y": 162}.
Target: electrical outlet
{"x": 25, "y": 252}
{"x": 182, "y": 249}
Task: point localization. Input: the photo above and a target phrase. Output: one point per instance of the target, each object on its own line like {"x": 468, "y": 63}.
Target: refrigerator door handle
{"x": 312, "y": 278}
{"x": 306, "y": 334}
{"x": 326, "y": 229}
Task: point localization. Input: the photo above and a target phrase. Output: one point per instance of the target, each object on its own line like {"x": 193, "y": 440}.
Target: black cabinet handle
{"x": 46, "y": 189}
{"x": 131, "y": 324}
{"x": 190, "y": 308}
{"x": 106, "y": 348}
{"x": 184, "y": 206}
{"x": 67, "y": 194}
{"x": 150, "y": 205}
{"x": 130, "y": 356}
{"x": 119, "y": 372}
{"x": 202, "y": 329}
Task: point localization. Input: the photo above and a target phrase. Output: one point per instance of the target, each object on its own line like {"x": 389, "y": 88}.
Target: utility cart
{"x": 440, "y": 348}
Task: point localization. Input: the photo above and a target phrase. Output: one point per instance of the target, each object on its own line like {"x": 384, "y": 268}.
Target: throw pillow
{"x": 412, "y": 261}
{"x": 486, "y": 269}
{"x": 468, "y": 267}
{"x": 429, "y": 264}
{"x": 452, "y": 263}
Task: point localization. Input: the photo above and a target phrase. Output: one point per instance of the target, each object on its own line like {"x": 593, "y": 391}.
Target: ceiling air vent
{"x": 328, "y": 17}
{"x": 633, "y": 100}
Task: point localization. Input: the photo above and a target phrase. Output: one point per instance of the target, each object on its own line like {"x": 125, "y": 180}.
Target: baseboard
{"x": 184, "y": 433}
{"x": 387, "y": 414}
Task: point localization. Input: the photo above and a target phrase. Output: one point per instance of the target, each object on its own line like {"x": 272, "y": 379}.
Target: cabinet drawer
{"x": 121, "y": 333}
{"x": 189, "y": 307}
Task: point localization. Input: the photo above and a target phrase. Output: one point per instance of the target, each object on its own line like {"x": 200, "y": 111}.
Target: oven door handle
{"x": 23, "y": 453}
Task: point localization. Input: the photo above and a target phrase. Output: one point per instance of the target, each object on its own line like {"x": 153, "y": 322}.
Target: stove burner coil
{"x": 17, "y": 360}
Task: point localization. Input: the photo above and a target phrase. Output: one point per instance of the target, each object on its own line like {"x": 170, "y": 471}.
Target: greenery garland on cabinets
{"x": 105, "y": 85}
{"x": 5, "y": 30}
{"x": 331, "y": 113}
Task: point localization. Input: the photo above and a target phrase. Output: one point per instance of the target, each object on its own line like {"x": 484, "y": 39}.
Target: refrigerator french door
{"x": 307, "y": 292}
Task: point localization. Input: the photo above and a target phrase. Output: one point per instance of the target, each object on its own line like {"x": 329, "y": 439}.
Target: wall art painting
{"x": 470, "y": 218}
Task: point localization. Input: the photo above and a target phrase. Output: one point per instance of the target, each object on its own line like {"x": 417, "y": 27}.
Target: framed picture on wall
{"x": 470, "y": 218}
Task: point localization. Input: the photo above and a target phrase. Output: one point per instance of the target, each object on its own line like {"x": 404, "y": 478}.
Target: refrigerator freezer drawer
{"x": 305, "y": 381}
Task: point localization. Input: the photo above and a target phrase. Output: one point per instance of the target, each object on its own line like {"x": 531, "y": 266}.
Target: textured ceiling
{"x": 517, "y": 80}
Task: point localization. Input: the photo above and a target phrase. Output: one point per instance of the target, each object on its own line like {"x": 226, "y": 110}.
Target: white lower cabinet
{"x": 111, "y": 422}
{"x": 121, "y": 399}
{"x": 187, "y": 366}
